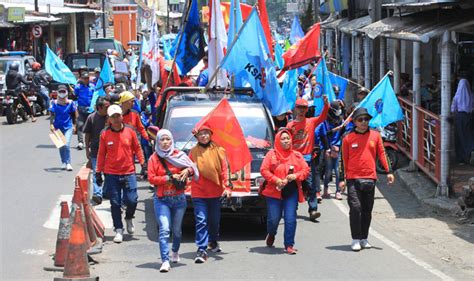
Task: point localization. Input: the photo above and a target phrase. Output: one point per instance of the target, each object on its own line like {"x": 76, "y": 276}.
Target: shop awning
{"x": 419, "y": 27}
{"x": 355, "y": 24}
{"x": 173, "y": 15}
{"x": 54, "y": 10}
{"x": 334, "y": 24}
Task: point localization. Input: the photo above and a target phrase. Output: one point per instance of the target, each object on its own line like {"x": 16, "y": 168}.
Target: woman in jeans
{"x": 284, "y": 170}
{"x": 169, "y": 202}
{"x": 63, "y": 117}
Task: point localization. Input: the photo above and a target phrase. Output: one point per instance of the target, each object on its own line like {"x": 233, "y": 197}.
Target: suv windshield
{"x": 5, "y": 65}
{"x": 255, "y": 125}
{"x": 91, "y": 62}
{"x": 101, "y": 46}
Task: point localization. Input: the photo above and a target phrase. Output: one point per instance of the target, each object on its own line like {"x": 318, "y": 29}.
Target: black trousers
{"x": 360, "y": 197}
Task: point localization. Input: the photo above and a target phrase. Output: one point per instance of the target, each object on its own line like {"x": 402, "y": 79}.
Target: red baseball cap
{"x": 302, "y": 102}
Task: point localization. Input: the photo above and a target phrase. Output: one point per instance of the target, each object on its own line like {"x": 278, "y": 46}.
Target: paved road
{"x": 31, "y": 185}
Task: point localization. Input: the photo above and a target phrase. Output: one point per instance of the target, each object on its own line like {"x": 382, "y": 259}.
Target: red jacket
{"x": 303, "y": 131}
{"x": 157, "y": 176}
{"x": 133, "y": 119}
{"x": 117, "y": 151}
{"x": 359, "y": 153}
{"x": 204, "y": 188}
{"x": 269, "y": 165}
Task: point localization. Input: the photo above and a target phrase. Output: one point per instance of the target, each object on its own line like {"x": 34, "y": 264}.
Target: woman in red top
{"x": 284, "y": 169}
{"x": 169, "y": 201}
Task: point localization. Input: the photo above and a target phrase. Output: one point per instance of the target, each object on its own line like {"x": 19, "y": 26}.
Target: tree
{"x": 307, "y": 19}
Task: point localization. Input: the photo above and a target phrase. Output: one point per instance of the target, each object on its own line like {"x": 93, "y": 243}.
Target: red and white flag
{"x": 154, "y": 51}
{"x": 217, "y": 43}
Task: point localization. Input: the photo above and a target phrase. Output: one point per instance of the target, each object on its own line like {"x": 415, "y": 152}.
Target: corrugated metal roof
{"x": 418, "y": 4}
{"x": 420, "y": 26}
{"x": 54, "y": 10}
{"x": 355, "y": 24}
{"x": 334, "y": 24}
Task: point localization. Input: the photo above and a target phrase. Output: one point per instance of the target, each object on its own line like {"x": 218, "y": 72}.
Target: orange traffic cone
{"x": 77, "y": 204}
{"x": 76, "y": 266}
{"x": 64, "y": 231}
{"x": 96, "y": 243}
{"x": 98, "y": 224}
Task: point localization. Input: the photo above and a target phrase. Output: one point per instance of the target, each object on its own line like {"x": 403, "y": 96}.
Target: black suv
{"x": 189, "y": 104}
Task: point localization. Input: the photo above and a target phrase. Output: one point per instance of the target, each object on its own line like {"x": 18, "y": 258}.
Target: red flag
{"x": 227, "y": 133}
{"x": 262, "y": 11}
{"x": 304, "y": 51}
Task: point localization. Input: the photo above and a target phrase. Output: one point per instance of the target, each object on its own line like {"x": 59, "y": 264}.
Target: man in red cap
{"x": 302, "y": 130}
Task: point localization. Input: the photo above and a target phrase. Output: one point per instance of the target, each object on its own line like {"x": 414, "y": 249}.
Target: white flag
{"x": 217, "y": 43}
{"x": 154, "y": 51}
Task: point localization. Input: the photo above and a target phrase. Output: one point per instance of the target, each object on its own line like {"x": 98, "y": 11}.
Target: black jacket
{"x": 14, "y": 79}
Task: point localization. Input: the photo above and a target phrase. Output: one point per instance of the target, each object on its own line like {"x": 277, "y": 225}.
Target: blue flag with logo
{"x": 341, "y": 83}
{"x": 279, "y": 56}
{"x": 191, "y": 48}
{"x": 290, "y": 87}
{"x": 323, "y": 87}
{"x": 296, "y": 32}
{"x": 166, "y": 49}
{"x": 57, "y": 69}
{"x": 249, "y": 59}
{"x": 106, "y": 76}
{"x": 235, "y": 21}
{"x": 382, "y": 104}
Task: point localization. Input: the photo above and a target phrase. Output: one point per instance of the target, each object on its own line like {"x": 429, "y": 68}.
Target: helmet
{"x": 14, "y": 66}
{"x": 36, "y": 66}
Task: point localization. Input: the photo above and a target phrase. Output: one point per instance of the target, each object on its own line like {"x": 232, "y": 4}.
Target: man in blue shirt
{"x": 83, "y": 91}
{"x": 203, "y": 77}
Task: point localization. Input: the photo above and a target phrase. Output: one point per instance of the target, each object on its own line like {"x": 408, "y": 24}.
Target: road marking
{"x": 34, "y": 252}
{"x": 344, "y": 209}
{"x": 103, "y": 211}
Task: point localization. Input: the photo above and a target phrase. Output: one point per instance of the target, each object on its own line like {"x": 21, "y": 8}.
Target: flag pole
{"x": 228, "y": 51}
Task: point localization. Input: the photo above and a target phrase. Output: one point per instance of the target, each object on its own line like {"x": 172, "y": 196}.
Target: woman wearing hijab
{"x": 206, "y": 192}
{"x": 462, "y": 108}
{"x": 284, "y": 170}
{"x": 165, "y": 167}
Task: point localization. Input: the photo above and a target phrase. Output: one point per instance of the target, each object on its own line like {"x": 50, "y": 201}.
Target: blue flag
{"x": 191, "y": 48}
{"x": 166, "y": 50}
{"x": 296, "y": 32}
{"x": 340, "y": 82}
{"x": 382, "y": 104}
{"x": 235, "y": 21}
{"x": 249, "y": 59}
{"x": 324, "y": 87}
{"x": 106, "y": 76}
{"x": 57, "y": 69}
{"x": 279, "y": 56}
{"x": 290, "y": 86}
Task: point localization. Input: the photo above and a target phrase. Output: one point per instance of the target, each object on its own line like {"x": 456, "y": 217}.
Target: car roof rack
{"x": 13, "y": 53}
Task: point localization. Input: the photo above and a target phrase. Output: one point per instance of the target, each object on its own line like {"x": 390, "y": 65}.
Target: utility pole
{"x": 35, "y": 41}
{"x": 316, "y": 10}
{"x": 168, "y": 16}
{"x": 376, "y": 16}
{"x": 104, "y": 26}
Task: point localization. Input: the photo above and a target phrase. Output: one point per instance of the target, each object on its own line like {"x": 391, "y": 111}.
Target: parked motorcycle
{"x": 389, "y": 137}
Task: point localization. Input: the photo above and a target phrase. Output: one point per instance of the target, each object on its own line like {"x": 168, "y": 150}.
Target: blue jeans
{"x": 169, "y": 213}
{"x": 115, "y": 185}
{"x": 331, "y": 164}
{"x": 97, "y": 188}
{"x": 286, "y": 207}
{"x": 65, "y": 151}
{"x": 207, "y": 214}
{"x": 313, "y": 181}
{"x": 45, "y": 95}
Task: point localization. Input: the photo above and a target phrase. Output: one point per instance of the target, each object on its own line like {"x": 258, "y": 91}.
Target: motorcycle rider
{"x": 41, "y": 80}
{"x": 13, "y": 81}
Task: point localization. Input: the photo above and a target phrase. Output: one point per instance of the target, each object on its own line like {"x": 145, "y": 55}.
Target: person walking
{"x": 360, "y": 149}
{"x": 302, "y": 130}
{"x": 118, "y": 147}
{"x": 168, "y": 172}
{"x": 94, "y": 125}
{"x": 284, "y": 170}
{"x": 83, "y": 91}
{"x": 462, "y": 108}
{"x": 63, "y": 117}
{"x": 206, "y": 192}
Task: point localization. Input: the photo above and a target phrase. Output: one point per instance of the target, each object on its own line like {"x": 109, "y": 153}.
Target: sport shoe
{"x": 165, "y": 267}
{"x": 130, "y": 226}
{"x": 326, "y": 195}
{"x": 80, "y": 146}
{"x": 290, "y": 250}
{"x": 174, "y": 257}
{"x": 118, "y": 235}
{"x": 355, "y": 246}
{"x": 338, "y": 196}
{"x": 214, "y": 247}
{"x": 96, "y": 199}
{"x": 365, "y": 244}
{"x": 201, "y": 256}
{"x": 64, "y": 166}
{"x": 270, "y": 240}
{"x": 69, "y": 167}
{"x": 318, "y": 196}
{"x": 313, "y": 215}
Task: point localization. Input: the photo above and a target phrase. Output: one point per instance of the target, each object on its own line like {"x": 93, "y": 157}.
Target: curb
{"x": 424, "y": 190}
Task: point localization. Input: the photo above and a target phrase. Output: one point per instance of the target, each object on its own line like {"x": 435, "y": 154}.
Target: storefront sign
{"x": 16, "y": 14}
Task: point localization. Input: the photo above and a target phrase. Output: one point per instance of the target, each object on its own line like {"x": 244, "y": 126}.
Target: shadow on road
{"x": 53, "y": 170}
{"x": 47, "y": 146}
{"x": 264, "y": 250}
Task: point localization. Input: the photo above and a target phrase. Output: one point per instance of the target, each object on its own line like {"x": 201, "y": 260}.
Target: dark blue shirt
{"x": 320, "y": 133}
{"x": 84, "y": 94}
{"x": 62, "y": 115}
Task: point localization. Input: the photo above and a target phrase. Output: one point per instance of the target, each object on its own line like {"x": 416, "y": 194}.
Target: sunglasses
{"x": 363, "y": 119}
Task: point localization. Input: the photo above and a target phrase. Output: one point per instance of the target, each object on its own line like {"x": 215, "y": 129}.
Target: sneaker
{"x": 270, "y": 240}
{"x": 130, "y": 226}
{"x": 214, "y": 247}
{"x": 365, "y": 244}
{"x": 326, "y": 195}
{"x": 290, "y": 250}
{"x": 338, "y": 196}
{"x": 318, "y": 196}
{"x": 118, "y": 235}
{"x": 64, "y": 166}
{"x": 69, "y": 167}
{"x": 201, "y": 256}
{"x": 165, "y": 267}
{"x": 313, "y": 215}
{"x": 80, "y": 146}
{"x": 97, "y": 199}
{"x": 174, "y": 257}
{"x": 355, "y": 246}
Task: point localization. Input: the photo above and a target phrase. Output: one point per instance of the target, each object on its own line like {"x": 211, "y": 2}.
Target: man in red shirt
{"x": 302, "y": 130}
{"x": 118, "y": 147}
{"x": 360, "y": 149}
